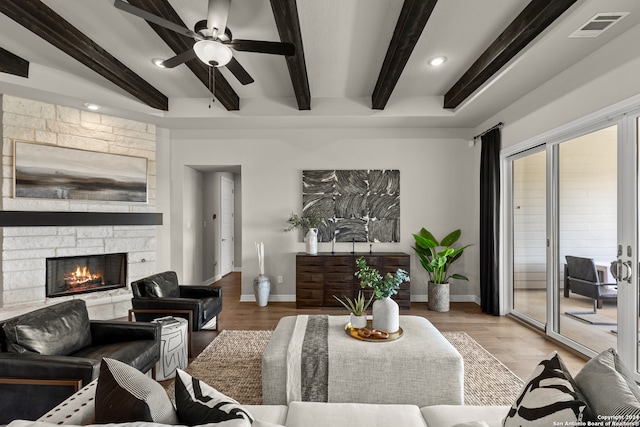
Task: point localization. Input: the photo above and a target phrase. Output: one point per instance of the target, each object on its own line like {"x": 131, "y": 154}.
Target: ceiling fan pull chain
{"x": 212, "y": 80}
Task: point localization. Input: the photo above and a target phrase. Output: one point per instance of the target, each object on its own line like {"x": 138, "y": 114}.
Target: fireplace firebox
{"x": 87, "y": 273}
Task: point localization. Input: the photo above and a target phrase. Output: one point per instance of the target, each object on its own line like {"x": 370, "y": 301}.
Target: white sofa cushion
{"x": 321, "y": 414}
{"x": 450, "y": 415}
{"x": 275, "y": 414}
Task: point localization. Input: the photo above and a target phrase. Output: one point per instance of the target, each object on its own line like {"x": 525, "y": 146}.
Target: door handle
{"x": 629, "y": 270}
{"x": 616, "y": 269}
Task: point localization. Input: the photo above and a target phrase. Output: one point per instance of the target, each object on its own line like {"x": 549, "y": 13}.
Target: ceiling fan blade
{"x": 239, "y": 72}
{"x": 274, "y": 48}
{"x": 180, "y": 58}
{"x": 217, "y": 14}
{"x": 141, "y": 13}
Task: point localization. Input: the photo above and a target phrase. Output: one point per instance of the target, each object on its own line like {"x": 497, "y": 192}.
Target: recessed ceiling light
{"x": 92, "y": 107}
{"x": 437, "y": 61}
{"x": 158, "y": 62}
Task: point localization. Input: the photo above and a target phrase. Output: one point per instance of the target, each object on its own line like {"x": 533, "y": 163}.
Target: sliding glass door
{"x": 529, "y": 210}
{"x": 572, "y": 235}
{"x": 586, "y": 215}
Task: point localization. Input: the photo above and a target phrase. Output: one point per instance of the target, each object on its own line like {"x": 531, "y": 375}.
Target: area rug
{"x": 232, "y": 363}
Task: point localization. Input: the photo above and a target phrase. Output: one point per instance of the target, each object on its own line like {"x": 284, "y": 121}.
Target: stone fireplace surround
{"x": 25, "y": 249}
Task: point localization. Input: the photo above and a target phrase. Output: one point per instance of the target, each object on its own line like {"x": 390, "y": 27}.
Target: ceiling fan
{"x": 213, "y": 40}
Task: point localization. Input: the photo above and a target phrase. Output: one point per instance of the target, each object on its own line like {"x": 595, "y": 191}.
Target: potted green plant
{"x": 386, "y": 313}
{"x": 436, "y": 257}
{"x": 308, "y": 221}
{"x": 357, "y": 309}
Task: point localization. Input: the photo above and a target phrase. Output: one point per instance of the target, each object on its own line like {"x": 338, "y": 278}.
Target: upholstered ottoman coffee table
{"x": 311, "y": 358}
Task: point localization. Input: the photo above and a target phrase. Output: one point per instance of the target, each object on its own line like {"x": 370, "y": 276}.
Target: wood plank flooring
{"x": 519, "y": 347}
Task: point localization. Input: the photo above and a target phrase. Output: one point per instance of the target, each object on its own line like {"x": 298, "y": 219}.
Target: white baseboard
{"x": 237, "y": 269}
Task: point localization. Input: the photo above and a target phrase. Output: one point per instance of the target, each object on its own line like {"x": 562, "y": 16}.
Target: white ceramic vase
{"x": 261, "y": 289}
{"x": 386, "y": 315}
{"x": 358, "y": 321}
{"x": 438, "y": 294}
{"x": 311, "y": 239}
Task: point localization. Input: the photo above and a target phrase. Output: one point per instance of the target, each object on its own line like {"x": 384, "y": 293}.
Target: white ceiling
{"x": 345, "y": 42}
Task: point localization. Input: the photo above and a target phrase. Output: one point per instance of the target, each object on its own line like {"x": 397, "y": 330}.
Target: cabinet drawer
{"x": 334, "y": 261}
{"x": 302, "y": 260}
{"x": 309, "y": 277}
{"x": 345, "y": 279}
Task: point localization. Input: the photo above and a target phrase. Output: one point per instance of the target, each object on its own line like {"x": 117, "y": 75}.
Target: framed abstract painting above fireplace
{"x": 53, "y": 172}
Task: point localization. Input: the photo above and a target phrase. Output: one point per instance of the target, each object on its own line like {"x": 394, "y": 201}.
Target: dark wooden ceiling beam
{"x": 11, "y": 63}
{"x": 412, "y": 20}
{"x": 44, "y": 22}
{"x": 179, "y": 43}
{"x": 532, "y": 21}
{"x": 285, "y": 13}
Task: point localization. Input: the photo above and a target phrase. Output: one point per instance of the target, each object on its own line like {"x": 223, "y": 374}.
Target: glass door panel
{"x": 529, "y": 236}
{"x": 587, "y": 236}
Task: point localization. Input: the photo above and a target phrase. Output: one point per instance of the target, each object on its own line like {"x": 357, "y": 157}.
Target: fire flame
{"x": 80, "y": 276}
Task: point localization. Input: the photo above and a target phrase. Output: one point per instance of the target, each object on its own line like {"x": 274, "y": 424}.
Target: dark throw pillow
{"x": 550, "y": 395}
{"x": 199, "y": 403}
{"x": 125, "y": 394}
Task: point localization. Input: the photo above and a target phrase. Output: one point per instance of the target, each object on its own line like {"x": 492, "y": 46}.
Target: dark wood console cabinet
{"x": 319, "y": 277}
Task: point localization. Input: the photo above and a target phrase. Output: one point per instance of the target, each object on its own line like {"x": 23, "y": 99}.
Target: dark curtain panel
{"x": 490, "y": 222}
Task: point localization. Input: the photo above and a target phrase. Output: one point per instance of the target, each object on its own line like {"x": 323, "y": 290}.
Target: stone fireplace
{"x": 27, "y": 249}
{"x": 83, "y": 274}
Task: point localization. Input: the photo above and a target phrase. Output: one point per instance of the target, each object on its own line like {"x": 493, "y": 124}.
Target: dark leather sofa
{"x": 47, "y": 353}
{"x": 160, "y": 294}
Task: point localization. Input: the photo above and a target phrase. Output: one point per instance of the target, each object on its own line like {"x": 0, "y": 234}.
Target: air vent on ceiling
{"x": 598, "y": 24}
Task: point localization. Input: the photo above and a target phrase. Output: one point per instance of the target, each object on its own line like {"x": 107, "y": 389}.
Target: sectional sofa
{"x": 602, "y": 393}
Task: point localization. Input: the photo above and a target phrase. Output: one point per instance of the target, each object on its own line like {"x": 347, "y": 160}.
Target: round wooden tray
{"x": 353, "y": 333}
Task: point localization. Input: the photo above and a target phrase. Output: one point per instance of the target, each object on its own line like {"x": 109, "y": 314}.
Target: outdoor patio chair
{"x": 583, "y": 279}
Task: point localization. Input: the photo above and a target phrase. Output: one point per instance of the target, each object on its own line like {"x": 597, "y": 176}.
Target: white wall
{"x": 602, "y": 79}
{"x": 192, "y": 228}
{"x": 439, "y": 187}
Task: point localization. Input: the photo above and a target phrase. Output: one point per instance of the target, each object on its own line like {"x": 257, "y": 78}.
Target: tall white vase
{"x": 261, "y": 289}
{"x": 311, "y": 239}
{"x": 386, "y": 315}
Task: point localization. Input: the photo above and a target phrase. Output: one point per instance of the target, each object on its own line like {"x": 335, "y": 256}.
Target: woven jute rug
{"x": 232, "y": 364}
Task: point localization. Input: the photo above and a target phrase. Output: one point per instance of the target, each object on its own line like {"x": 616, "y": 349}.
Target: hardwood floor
{"x": 519, "y": 347}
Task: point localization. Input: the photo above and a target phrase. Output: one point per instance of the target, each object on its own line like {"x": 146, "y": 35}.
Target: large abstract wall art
{"x": 360, "y": 205}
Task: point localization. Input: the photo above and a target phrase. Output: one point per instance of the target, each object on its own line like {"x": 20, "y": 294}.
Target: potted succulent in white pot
{"x": 308, "y": 222}
{"x": 357, "y": 309}
{"x": 436, "y": 257}
{"x": 385, "y": 311}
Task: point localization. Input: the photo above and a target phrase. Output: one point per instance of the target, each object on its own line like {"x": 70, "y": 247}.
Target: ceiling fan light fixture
{"x": 437, "y": 61}
{"x": 210, "y": 51}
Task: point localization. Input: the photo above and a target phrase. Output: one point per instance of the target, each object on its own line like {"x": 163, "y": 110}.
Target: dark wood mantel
{"x": 64, "y": 219}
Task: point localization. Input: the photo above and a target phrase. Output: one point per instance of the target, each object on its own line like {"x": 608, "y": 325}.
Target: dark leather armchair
{"x": 160, "y": 294}
{"x": 47, "y": 354}
{"x": 582, "y": 278}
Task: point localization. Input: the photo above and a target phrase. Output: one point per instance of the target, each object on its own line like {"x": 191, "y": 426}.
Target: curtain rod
{"x": 499, "y": 125}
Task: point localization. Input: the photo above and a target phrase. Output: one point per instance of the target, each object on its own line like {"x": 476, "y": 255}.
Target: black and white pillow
{"x": 199, "y": 403}
{"x": 125, "y": 394}
{"x": 550, "y": 395}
